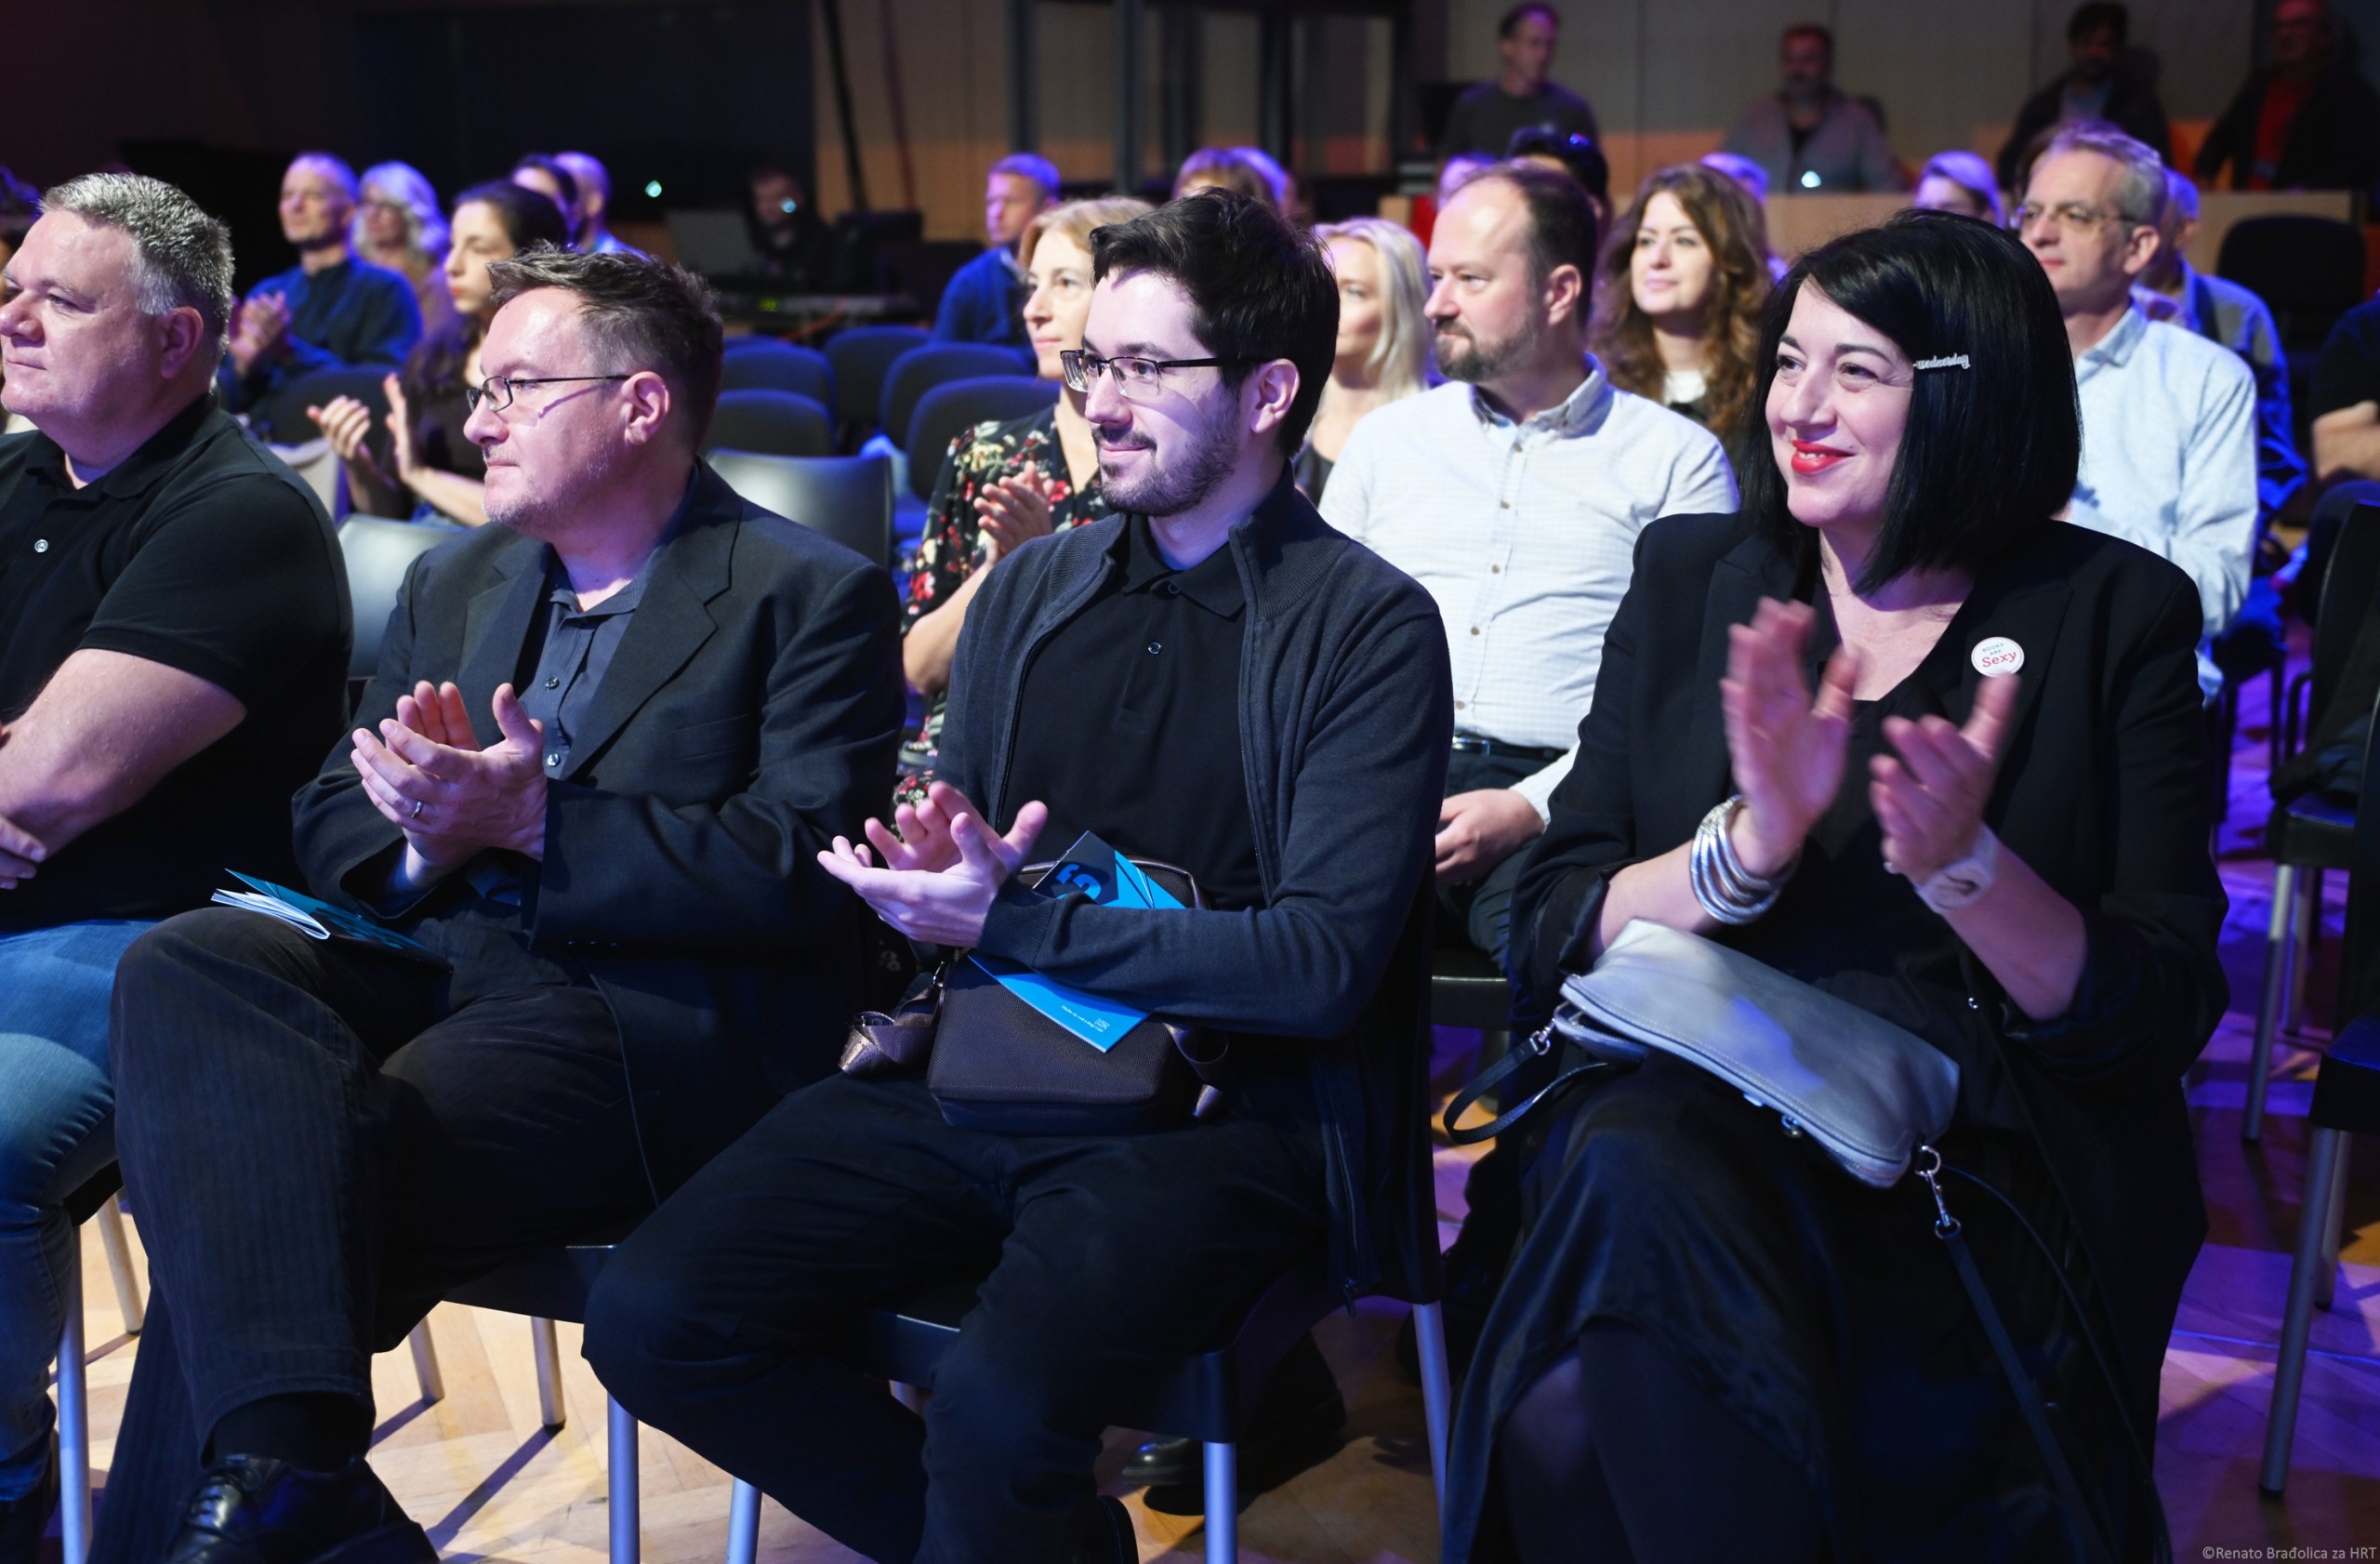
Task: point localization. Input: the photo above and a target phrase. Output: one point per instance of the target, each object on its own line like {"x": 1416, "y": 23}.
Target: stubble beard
{"x": 1175, "y": 487}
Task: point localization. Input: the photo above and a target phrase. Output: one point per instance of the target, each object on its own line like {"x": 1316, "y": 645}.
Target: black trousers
{"x": 1108, "y": 1258}
{"x": 320, "y": 1141}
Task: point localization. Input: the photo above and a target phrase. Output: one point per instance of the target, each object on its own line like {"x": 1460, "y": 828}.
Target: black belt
{"x": 1472, "y": 744}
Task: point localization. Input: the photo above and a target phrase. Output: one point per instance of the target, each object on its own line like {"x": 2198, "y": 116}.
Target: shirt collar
{"x": 1575, "y": 414}
{"x": 136, "y": 472}
{"x": 1213, "y": 583}
{"x": 2115, "y": 350}
{"x": 562, "y": 594}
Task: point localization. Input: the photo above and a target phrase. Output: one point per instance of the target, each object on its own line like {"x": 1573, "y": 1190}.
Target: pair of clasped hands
{"x": 426, "y": 774}
{"x": 942, "y": 865}
{"x": 1788, "y": 752}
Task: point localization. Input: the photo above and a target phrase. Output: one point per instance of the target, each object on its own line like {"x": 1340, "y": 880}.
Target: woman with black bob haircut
{"x": 1987, "y": 826}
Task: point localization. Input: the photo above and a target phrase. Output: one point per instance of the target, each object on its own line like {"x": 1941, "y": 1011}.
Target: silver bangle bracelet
{"x": 1722, "y": 885}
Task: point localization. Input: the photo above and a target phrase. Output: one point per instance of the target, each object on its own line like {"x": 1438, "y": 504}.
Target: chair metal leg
{"x": 2289, "y": 1366}
{"x": 2280, "y": 957}
{"x": 425, "y": 1364}
{"x": 1437, "y": 1388}
{"x": 2326, "y": 1275}
{"x": 550, "y": 1410}
{"x": 127, "y": 1286}
{"x": 620, "y": 1457}
{"x": 1222, "y": 1504}
{"x": 744, "y": 1524}
{"x": 2309, "y": 939}
{"x": 73, "y": 1420}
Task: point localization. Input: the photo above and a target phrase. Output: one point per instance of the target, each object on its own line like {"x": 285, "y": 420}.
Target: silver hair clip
{"x": 1948, "y": 361}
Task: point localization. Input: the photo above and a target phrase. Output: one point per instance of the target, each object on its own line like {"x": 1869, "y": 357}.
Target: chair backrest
{"x": 768, "y": 364}
{"x": 777, "y": 423}
{"x": 2360, "y": 944}
{"x": 919, "y": 372}
{"x": 949, "y": 409}
{"x": 284, "y": 420}
{"x": 847, "y": 499}
{"x": 378, "y": 553}
{"x": 861, "y": 357}
{"x": 2308, "y": 270}
{"x": 2350, "y": 596}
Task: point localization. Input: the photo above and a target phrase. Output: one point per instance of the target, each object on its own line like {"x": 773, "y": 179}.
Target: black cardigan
{"x": 2101, "y": 791}
{"x": 1346, "y": 709}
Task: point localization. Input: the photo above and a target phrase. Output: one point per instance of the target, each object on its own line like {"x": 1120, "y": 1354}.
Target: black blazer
{"x": 2334, "y": 144}
{"x": 750, "y": 714}
{"x": 2132, "y": 107}
{"x": 2102, "y": 790}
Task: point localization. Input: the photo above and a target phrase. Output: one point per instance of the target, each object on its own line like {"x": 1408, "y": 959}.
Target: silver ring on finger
{"x": 417, "y": 810}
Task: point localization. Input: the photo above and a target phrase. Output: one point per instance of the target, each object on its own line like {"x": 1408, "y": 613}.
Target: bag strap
{"x": 2020, "y": 1381}
{"x": 1537, "y": 1046}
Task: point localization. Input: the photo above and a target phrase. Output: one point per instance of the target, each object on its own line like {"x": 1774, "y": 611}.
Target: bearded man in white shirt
{"x": 1515, "y": 495}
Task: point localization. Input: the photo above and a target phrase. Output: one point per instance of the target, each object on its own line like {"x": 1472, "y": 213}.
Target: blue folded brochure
{"x": 312, "y": 916}
{"x": 1096, "y": 871}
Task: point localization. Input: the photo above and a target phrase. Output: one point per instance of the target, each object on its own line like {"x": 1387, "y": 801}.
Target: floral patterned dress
{"x": 952, "y": 545}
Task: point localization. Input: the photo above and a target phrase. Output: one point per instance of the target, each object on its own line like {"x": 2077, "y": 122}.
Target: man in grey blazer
{"x": 608, "y": 736}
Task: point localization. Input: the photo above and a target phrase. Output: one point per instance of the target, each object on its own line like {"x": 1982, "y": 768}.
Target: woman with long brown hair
{"x": 1678, "y": 296}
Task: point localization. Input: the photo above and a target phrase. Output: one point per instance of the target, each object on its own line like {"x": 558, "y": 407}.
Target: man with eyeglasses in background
{"x": 610, "y": 734}
{"x": 1211, "y": 677}
{"x": 2169, "y": 419}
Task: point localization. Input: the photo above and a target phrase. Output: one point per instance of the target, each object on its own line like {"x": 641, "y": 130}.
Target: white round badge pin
{"x": 1996, "y": 654}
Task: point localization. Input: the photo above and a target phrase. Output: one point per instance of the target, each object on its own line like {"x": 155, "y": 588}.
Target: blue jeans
{"x": 56, "y": 1130}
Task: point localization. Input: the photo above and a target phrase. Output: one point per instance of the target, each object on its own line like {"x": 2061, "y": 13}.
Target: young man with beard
{"x": 609, "y": 735}
{"x": 1211, "y": 677}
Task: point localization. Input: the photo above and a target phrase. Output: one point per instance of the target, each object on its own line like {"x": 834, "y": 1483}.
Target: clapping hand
{"x": 942, "y": 872}
{"x": 1929, "y": 800}
{"x": 1787, "y": 750}
{"x": 1013, "y": 512}
{"x": 261, "y": 330}
{"x": 427, "y": 776}
{"x": 403, "y": 447}
{"x": 346, "y": 423}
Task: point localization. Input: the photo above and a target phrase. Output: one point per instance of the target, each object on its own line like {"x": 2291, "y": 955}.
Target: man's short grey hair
{"x": 639, "y": 312}
{"x": 2140, "y": 191}
{"x": 181, "y": 258}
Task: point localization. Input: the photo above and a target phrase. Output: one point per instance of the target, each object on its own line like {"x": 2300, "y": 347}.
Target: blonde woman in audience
{"x": 397, "y": 225}
{"x": 1677, "y": 308}
{"x": 1004, "y": 484}
{"x": 1384, "y": 337}
{"x": 1960, "y": 182}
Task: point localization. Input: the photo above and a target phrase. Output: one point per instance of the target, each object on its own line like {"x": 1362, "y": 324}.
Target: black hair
{"x": 1260, "y": 287}
{"x": 2097, "y": 14}
{"x": 529, "y": 216}
{"x": 564, "y": 180}
{"x": 1562, "y": 226}
{"x": 1578, "y": 153}
{"x": 1823, "y": 33}
{"x": 639, "y": 312}
{"x": 1989, "y": 453}
{"x": 1509, "y": 23}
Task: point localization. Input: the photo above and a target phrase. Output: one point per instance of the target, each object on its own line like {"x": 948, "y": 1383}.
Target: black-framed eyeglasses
{"x": 1134, "y": 377}
{"x": 499, "y": 391}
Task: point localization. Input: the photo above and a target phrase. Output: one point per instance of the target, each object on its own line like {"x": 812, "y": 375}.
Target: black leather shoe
{"x": 1103, "y": 1534}
{"x": 1295, "y": 1424}
{"x": 24, "y": 1521}
{"x": 249, "y": 1509}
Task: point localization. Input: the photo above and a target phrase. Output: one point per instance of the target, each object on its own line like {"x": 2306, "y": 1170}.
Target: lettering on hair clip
{"x": 1948, "y": 361}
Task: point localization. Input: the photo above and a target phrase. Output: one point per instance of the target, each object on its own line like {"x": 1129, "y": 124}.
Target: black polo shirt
{"x": 1127, "y": 723}
{"x": 202, "y": 553}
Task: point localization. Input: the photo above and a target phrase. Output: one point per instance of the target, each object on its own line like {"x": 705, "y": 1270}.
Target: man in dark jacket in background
{"x": 1213, "y": 678}
{"x": 2308, "y": 121}
{"x": 2103, "y": 83}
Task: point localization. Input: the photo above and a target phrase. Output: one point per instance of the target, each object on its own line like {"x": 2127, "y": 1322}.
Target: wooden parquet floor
{"x": 491, "y": 1484}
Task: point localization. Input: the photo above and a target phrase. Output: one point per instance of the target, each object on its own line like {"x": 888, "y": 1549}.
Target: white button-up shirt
{"x": 2169, "y": 459}
{"x": 1525, "y": 534}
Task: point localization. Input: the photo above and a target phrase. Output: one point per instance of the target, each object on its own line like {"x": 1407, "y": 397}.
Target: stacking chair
{"x": 764, "y": 363}
{"x": 2308, "y": 835}
{"x": 861, "y": 357}
{"x": 95, "y": 1202}
{"x": 776, "y": 423}
{"x": 951, "y": 408}
{"x": 378, "y": 553}
{"x": 907, "y": 381}
{"x": 2346, "y": 1102}
{"x": 847, "y": 498}
{"x": 2309, "y": 271}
